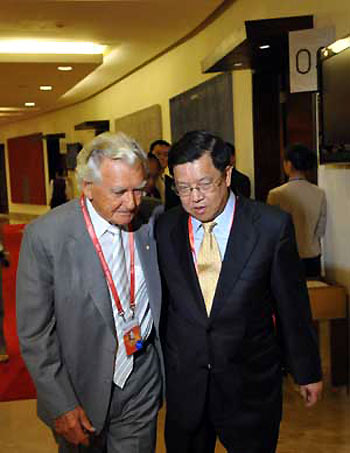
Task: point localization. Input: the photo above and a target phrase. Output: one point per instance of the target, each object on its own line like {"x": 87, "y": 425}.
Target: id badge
{"x": 132, "y": 337}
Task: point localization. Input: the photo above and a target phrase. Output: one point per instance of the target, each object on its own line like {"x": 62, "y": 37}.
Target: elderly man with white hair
{"x": 88, "y": 306}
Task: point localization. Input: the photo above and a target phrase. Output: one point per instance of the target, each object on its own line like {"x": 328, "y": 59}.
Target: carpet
{"x": 15, "y": 382}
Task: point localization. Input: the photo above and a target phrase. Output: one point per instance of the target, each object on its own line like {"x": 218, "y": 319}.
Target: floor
{"x": 323, "y": 429}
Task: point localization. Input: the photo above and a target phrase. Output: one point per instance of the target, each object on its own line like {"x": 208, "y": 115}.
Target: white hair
{"x": 116, "y": 146}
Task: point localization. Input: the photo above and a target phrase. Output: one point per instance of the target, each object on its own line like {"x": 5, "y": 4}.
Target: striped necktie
{"x": 123, "y": 363}
{"x": 208, "y": 265}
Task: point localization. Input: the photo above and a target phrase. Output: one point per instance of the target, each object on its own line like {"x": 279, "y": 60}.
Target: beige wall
{"x": 179, "y": 70}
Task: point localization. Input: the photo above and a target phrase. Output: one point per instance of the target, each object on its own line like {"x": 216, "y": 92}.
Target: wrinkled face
{"x": 118, "y": 195}
{"x": 161, "y": 152}
{"x": 209, "y": 193}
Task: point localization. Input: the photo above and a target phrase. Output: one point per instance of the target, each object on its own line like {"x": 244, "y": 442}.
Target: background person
{"x": 3, "y": 349}
{"x": 306, "y": 203}
{"x": 153, "y": 175}
{"x": 240, "y": 183}
{"x": 79, "y": 310}
{"x": 165, "y": 181}
{"x": 229, "y": 264}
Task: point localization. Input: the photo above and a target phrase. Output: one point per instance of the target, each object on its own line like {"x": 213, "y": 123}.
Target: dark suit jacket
{"x": 240, "y": 183}
{"x": 236, "y": 352}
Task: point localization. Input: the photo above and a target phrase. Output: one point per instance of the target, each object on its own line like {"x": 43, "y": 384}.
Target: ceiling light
{"x": 340, "y": 45}
{"x": 45, "y": 87}
{"x": 29, "y": 46}
{"x": 29, "y": 104}
{"x": 64, "y": 68}
{"x": 7, "y": 114}
{"x": 11, "y": 109}
{"x": 237, "y": 65}
{"x": 265, "y": 46}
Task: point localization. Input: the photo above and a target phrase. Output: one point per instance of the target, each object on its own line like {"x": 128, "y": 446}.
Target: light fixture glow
{"x": 7, "y": 114}
{"x": 237, "y": 65}
{"x": 29, "y": 104}
{"x": 340, "y": 45}
{"x": 46, "y": 88}
{"x": 11, "y": 109}
{"x": 265, "y": 46}
{"x": 325, "y": 52}
{"x": 29, "y": 46}
{"x": 65, "y": 68}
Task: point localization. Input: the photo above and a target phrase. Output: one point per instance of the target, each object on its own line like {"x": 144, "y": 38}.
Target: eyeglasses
{"x": 202, "y": 187}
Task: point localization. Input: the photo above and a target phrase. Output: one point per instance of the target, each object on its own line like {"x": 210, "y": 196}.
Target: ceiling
{"x": 133, "y": 31}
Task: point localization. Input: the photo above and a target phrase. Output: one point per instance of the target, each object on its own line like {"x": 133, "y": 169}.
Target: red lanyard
{"x": 104, "y": 264}
{"x": 191, "y": 235}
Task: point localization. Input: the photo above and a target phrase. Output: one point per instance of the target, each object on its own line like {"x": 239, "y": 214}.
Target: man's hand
{"x": 74, "y": 426}
{"x": 311, "y": 393}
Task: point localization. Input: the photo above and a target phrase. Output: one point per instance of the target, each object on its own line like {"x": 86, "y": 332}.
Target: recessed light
{"x": 29, "y": 104}
{"x": 64, "y": 68}
{"x": 46, "y": 87}
{"x": 265, "y": 46}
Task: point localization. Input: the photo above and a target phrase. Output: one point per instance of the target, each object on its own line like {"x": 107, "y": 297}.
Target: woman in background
{"x": 306, "y": 203}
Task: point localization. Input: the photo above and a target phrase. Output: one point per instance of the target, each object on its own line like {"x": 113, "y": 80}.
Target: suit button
{"x": 209, "y": 329}
{"x": 209, "y": 366}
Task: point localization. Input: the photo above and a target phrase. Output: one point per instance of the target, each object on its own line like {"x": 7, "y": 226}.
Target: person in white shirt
{"x": 305, "y": 202}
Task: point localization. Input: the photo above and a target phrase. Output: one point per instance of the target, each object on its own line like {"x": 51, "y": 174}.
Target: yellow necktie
{"x": 208, "y": 265}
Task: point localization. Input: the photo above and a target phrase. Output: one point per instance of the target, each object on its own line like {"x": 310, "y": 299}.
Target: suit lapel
{"x": 89, "y": 265}
{"x": 147, "y": 252}
{"x": 241, "y": 243}
{"x": 182, "y": 248}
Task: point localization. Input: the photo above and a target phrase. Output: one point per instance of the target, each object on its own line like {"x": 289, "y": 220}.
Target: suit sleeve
{"x": 294, "y": 318}
{"x": 36, "y": 325}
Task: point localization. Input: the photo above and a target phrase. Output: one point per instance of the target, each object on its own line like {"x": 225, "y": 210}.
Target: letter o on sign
{"x": 303, "y": 61}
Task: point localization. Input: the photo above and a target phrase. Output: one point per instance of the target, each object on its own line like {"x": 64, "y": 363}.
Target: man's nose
{"x": 196, "y": 194}
{"x": 129, "y": 200}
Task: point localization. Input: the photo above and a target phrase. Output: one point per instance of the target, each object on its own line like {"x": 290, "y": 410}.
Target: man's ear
{"x": 228, "y": 175}
{"x": 87, "y": 189}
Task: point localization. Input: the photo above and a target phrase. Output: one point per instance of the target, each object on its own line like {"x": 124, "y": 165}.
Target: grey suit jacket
{"x": 64, "y": 315}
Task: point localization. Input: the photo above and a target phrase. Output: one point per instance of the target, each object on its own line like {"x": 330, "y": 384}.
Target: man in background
{"x": 3, "y": 350}
{"x": 240, "y": 183}
{"x": 165, "y": 182}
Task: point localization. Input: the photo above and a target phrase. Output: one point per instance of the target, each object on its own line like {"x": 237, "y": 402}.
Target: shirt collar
{"x": 223, "y": 220}
{"x": 98, "y": 222}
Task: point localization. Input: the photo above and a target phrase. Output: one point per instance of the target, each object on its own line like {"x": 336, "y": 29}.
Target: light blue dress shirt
{"x": 221, "y": 230}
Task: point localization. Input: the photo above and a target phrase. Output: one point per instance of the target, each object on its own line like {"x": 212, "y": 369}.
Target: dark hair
{"x": 301, "y": 157}
{"x": 158, "y": 142}
{"x": 152, "y": 156}
{"x": 231, "y": 148}
{"x": 194, "y": 144}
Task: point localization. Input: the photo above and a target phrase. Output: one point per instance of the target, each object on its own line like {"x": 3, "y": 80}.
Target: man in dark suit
{"x": 88, "y": 307}
{"x": 240, "y": 183}
{"x": 230, "y": 267}
{"x": 165, "y": 182}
